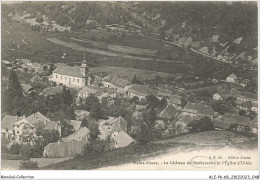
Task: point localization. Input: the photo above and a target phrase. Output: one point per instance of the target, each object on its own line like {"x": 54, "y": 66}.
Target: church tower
{"x": 84, "y": 69}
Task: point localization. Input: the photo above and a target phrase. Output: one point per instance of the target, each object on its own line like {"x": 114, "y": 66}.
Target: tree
{"x": 95, "y": 110}
{"x": 152, "y": 101}
{"x": 67, "y": 96}
{"x": 49, "y": 136}
{"x": 135, "y": 80}
{"x": 94, "y": 131}
{"x": 14, "y": 87}
{"x": 242, "y": 112}
{"x": 91, "y": 99}
{"x": 204, "y": 124}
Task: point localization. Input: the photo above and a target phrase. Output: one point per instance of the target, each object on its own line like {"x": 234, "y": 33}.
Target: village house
{"x": 232, "y": 122}
{"x": 244, "y": 96}
{"x": 169, "y": 113}
{"x": 7, "y": 129}
{"x": 194, "y": 109}
{"x": 175, "y": 101}
{"x": 217, "y": 97}
{"x": 120, "y": 84}
{"x": 121, "y": 139}
{"x": 14, "y": 127}
{"x": 75, "y": 124}
{"x": 232, "y": 78}
{"x": 106, "y": 92}
{"x": 183, "y": 122}
{"x": 81, "y": 114}
{"x": 70, "y": 76}
{"x": 112, "y": 125}
{"x": 64, "y": 149}
{"x": 247, "y": 106}
{"x": 51, "y": 91}
{"x": 222, "y": 95}
{"x": 81, "y": 134}
{"x": 86, "y": 91}
{"x": 245, "y": 82}
{"x": 163, "y": 94}
{"x": 27, "y": 88}
{"x": 139, "y": 91}
{"x": 24, "y": 131}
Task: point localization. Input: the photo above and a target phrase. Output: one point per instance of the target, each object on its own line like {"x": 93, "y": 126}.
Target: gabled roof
{"x": 236, "y": 119}
{"x": 164, "y": 93}
{"x": 76, "y": 124}
{"x": 26, "y": 87}
{"x": 169, "y": 112}
{"x": 187, "y": 119}
{"x": 116, "y": 120}
{"x": 174, "y": 99}
{"x": 198, "y": 108}
{"x": 51, "y": 91}
{"x": 118, "y": 81}
{"x": 245, "y": 81}
{"x": 247, "y": 104}
{"x": 221, "y": 124}
{"x": 36, "y": 118}
{"x": 69, "y": 71}
{"x": 233, "y": 76}
{"x": 88, "y": 89}
{"x": 23, "y": 121}
{"x": 122, "y": 139}
{"x": 51, "y": 125}
{"x": 140, "y": 90}
{"x": 77, "y": 136}
{"x": 8, "y": 120}
{"x": 105, "y": 90}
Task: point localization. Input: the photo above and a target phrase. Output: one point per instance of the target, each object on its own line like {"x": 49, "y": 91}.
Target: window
{"x": 78, "y": 80}
{"x": 73, "y": 79}
{"x": 61, "y": 77}
{"x": 65, "y": 78}
{"x": 56, "y": 77}
{"x": 18, "y": 126}
{"x": 17, "y": 132}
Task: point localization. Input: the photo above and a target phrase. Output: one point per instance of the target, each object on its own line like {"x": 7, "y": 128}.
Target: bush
{"x": 15, "y": 148}
{"x": 28, "y": 165}
{"x": 204, "y": 124}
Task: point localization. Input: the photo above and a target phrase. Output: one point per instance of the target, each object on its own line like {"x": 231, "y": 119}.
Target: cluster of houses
{"x": 22, "y": 130}
{"x": 175, "y": 115}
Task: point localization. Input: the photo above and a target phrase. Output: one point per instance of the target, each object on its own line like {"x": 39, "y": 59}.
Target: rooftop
{"x": 199, "y": 108}
{"x": 8, "y": 120}
{"x": 118, "y": 81}
{"x": 51, "y": 91}
{"x": 169, "y": 112}
{"x": 140, "y": 90}
{"x": 76, "y": 136}
{"x": 36, "y": 118}
{"x": 69, "y": 71}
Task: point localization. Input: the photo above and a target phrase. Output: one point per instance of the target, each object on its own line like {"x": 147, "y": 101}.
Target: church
{"x": 70, "y": 76}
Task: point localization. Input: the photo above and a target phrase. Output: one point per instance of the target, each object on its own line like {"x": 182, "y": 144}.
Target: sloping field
{"x": 74, "y": 46}
{"x": 122, "y": 49}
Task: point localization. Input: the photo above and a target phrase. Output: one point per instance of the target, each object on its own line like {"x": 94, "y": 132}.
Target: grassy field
{"x": 42, "y": 162}
{"x": 121, "y": 49}
{"x": 137, "y": 152}
{"x": 129, "y": 72}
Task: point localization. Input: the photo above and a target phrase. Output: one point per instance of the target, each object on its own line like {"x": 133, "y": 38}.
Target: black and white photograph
{"x": 129, "y": 85}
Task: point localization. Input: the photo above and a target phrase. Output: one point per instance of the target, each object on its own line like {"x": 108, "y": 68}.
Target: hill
{"x": 220, "y": 29}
